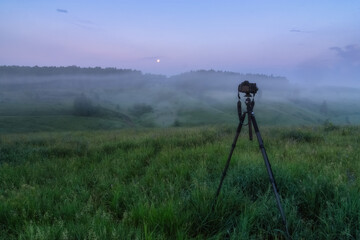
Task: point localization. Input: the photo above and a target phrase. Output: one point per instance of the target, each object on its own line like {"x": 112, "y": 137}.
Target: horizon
{"x": 162, "y": 75}
{"x": 290, "y": 81}
{"x": 138, "y": 70}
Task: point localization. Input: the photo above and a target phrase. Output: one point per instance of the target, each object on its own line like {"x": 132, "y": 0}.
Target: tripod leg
{"x": 250, "y": 127}
{"x": 249, "y": 107}
{"x": 238, "y": 130}
{"x": 271, "y": 175}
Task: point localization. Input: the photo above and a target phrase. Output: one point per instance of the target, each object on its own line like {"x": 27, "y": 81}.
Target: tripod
{"x": 252, "y": 121}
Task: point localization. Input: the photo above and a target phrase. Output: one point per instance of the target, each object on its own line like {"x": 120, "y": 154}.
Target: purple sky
{"x": 303, "y": 40}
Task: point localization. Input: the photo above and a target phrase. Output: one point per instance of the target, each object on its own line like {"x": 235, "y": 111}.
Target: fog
{"x": 191, "y": 98}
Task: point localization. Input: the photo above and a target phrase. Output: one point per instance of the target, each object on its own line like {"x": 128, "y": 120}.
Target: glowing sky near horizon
{"x": 304, "y": 39}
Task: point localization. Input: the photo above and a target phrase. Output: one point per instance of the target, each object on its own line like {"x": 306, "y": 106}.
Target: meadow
{"x": 92, "y": 153}
{"x": 152, "y": 183}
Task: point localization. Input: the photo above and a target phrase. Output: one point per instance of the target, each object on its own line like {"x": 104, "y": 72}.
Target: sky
{"x": 306, "y": 41}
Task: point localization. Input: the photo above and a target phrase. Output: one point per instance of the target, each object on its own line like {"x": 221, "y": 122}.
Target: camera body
{"x": 247, "y": 88}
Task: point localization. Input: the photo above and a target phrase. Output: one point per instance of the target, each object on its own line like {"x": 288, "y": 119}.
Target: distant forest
{"x": 69, "y": 70}
{"x": 75, "y": 70}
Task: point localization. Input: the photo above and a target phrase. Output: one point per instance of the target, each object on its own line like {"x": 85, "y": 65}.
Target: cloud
{"x": 349, "y": 53}
{"x": 62, "y": 10}
{"x": 297, "y": 30}
{"x": 85, "y": 24}
{"x": 343, "y": 67}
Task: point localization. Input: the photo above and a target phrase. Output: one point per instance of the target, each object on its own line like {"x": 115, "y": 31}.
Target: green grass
{"x": 22, "y": 124}
{"x": 160, "y": 184}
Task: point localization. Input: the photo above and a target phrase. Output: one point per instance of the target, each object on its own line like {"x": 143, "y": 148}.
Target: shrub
{"x": 83, "y": 106}
{"x": 176, "y": 123}
{"x": 329, "y": 126}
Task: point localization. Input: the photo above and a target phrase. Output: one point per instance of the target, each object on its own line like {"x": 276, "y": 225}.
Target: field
{"x": 144, "y": 183}
{"x": 92, "y": 153}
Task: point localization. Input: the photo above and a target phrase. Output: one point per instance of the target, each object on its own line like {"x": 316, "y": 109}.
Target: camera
{"x": 246, "y": 87}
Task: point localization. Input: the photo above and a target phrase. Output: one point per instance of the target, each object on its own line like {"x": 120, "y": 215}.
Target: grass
{"x": 22, "y": 124}
{"x": 160, "y": 184}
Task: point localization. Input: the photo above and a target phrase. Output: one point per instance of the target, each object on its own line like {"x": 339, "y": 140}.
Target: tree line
{"x": 69, "y": 70}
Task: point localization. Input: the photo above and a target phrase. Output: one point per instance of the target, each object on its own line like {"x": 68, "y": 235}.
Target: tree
{"x": 83, "y": 106}
{"x": 324, "y": 108}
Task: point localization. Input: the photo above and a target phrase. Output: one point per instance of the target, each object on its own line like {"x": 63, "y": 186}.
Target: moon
{"x": 157, "y": 60}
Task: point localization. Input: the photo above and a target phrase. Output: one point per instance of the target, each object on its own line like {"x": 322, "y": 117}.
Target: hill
{"x": 43, "y": 99}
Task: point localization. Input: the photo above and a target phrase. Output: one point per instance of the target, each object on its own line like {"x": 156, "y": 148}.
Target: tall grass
{"x": 160, "y": 184}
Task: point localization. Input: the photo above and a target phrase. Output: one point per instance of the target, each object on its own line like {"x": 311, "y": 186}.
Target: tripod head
{"x": 250, "y": 90}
